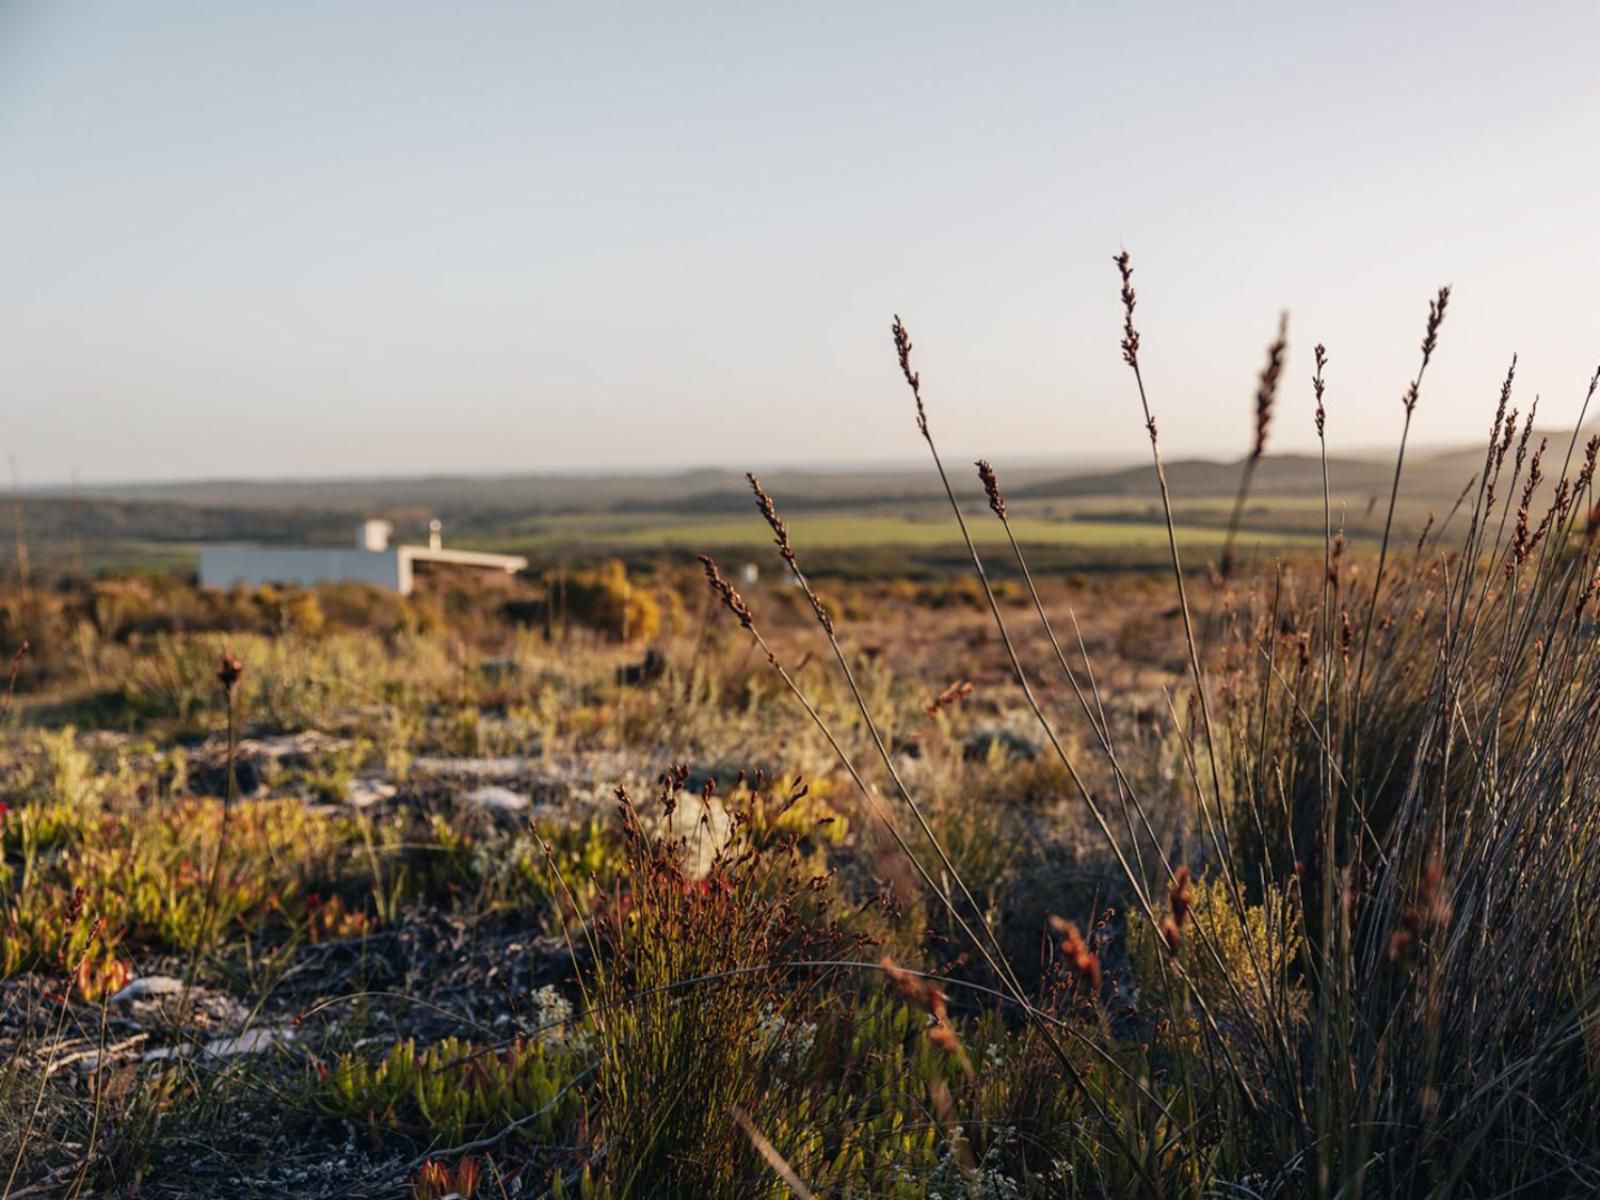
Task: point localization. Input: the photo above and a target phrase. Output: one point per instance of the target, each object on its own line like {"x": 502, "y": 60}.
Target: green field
{"x": 847, "y": 530}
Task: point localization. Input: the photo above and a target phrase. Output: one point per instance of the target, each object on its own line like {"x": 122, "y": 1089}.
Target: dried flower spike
{"x": 991, "y": 487}
{"x": 1430, "y": 340}
{"x": 1076, "y": 950}
{"x": 1267, "y": 389}
{"x": 952, "y": 695}
{"x": 769, "y": 512}
{"x": 780, "y": 534}
{"x": 1180, "y": 902}
{"x": 902, "y": 349}
{"x": 1320, "y": 353}
{"x": 1130, "y": 335}
{"x": 735, "y": 602}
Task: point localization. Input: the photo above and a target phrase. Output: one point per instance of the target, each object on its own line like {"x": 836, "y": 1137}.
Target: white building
{"x": 371, "y": 560}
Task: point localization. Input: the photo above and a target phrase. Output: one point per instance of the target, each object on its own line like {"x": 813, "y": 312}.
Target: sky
{"x": 295, "y": 238}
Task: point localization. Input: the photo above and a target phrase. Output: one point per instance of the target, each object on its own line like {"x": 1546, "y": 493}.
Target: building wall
{"x": 224, "y": 566}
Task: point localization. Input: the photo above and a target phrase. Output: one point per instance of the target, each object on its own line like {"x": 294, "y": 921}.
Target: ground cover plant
{"x": 1269, "y": 875}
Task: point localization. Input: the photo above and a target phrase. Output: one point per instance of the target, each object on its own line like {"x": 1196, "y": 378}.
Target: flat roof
{"x": 464, "y": 558}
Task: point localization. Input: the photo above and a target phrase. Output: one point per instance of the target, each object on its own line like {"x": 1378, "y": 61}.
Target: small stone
{"x": 502, "y": 769}
{"x": 364, "y": 793}
{"x": 148, "y": 986}
{"x": 252, "y": 1041}
{"x": 497, "y": 798}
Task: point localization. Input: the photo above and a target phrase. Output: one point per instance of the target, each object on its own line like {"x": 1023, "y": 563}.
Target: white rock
{"x": 511, "y": 767}
{"x": 364, "y": 793}
{"x": 704, "y": 829}
{"x": 493, "y": 796}
{"x": 251, "y": 1041}
{"x": 147, "y": 986}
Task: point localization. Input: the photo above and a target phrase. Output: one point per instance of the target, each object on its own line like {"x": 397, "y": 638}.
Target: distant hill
{"x": 1276, "y": 474}
{"x": 700, "y": 488}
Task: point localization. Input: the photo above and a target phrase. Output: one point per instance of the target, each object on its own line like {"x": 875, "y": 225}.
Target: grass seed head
{"x": 951, "y": 696}
{"x": 769, "y": 513}
{"x": 991, "y": 487}
{"x": 1267, "y": 388}
{"x": 1318, "y": 384}
{"x": 902, "y": 350}
{"x": 1075, "y": 948}
{"x": 726, "y": 591}
{"x": 1130, "y": 335}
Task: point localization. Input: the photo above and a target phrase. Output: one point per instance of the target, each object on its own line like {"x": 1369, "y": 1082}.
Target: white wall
{"x": 224, "y": 566}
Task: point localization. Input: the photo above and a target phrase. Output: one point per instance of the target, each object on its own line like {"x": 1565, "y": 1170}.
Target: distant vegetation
{"x": 865, "y": 524}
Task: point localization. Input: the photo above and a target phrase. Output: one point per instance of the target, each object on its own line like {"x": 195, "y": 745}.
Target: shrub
{"x": 456, "y": 1091}
{"x": 605, "y": 600}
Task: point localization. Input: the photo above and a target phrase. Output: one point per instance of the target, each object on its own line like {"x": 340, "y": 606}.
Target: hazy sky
{"x": 325, "y": 238}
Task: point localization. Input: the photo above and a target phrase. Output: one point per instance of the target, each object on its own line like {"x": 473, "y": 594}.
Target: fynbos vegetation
{"x": 1260, "y": 877}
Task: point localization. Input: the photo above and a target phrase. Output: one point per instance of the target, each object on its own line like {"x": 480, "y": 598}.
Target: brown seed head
{"x": 780, "y": 532}
{"x": 1527, "y": 434}
{"x": 1077, "y": 953}
{"x": 1317, "y": 386}
{"x": 918, "y": 991}
{"x": 1267, "y": 388}
{"x": 229, "y": 673}
{"x": 991, "y": 487}
{"x": 1427, "y": 528}
{"x": 731, "y": 598}
{"x": 1130, "y": 335}
{"x": 902, "y": 349}
{"x": 1180, "y": 896}
{"x": 1430, "y": 340}
{"x": 1586, "y": 472}
{"x": 1508, "y": 434}
{"x": 1171, "y": 934}
{"x": 951, "y": 695}
{"x": 1505, "y": 399}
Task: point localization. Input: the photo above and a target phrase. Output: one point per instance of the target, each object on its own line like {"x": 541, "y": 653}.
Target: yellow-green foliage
{"x": 813, "y": 817}
{"x": 454, "y": 1090}
{"x": 850, "y": 1125}
{"x": 302, "y": 612}
{"x": 69, "y": 774}
{"x": 606, "y": 600}
{"x": 143, "y": 876}
{"x": 1242, "y": 965}
{"x": 545, "y": 873}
